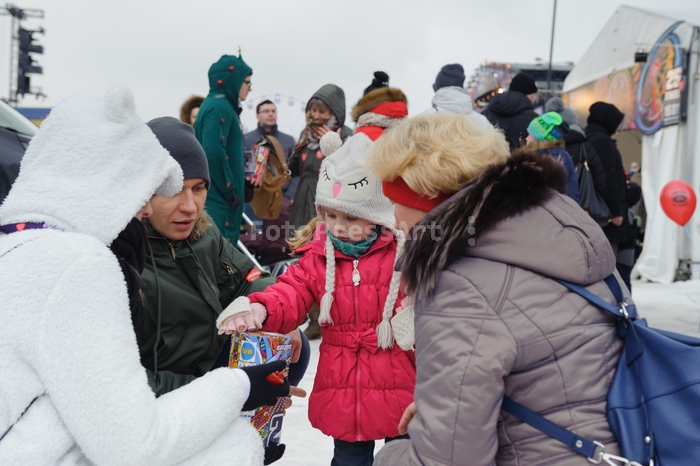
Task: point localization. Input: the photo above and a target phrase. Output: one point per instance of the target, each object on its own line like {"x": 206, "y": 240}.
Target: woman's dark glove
{"x": 273, "y": 452}
{"x": 262, "y": 392}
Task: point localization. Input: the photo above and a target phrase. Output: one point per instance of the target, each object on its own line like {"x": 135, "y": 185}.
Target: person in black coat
{"x": 512, "y": 111}
{"x": 575, "y": 143}
{"x": 603, "y": 121}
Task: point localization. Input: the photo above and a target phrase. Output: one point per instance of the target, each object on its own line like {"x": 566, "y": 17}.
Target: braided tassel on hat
{"x": 385, "y": 336}
{"x": 324, "y": 316}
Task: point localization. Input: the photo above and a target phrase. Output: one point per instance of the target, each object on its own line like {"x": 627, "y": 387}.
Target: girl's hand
{"x": 406, "y": 418}
{"x": 251, "y": 321}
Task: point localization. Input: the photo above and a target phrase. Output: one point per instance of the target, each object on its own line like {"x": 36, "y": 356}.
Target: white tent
{"x": 608, "y": 72}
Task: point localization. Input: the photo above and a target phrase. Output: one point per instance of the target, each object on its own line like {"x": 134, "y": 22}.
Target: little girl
{"x": 365, "y": 380}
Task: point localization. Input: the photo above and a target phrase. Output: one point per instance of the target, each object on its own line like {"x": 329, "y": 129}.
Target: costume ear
{"x": 330, "y": 142}
{"x": 119, "y": 103}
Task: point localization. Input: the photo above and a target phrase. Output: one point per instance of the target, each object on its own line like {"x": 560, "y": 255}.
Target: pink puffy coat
{"x": 360, "y": 391}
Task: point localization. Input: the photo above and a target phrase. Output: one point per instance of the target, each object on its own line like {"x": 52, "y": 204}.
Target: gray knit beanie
{"x": 178, "y": 138}
{"x": 449, "y": 75}
{"x": 555, "y": 104}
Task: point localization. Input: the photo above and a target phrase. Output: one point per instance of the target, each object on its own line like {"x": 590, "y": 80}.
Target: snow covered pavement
{"x": 674, "y": 307}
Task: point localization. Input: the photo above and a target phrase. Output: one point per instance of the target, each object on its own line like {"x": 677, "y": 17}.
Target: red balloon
{"x": 678, "y": 201}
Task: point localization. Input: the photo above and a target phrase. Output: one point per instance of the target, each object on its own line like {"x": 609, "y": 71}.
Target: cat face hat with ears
{"x": 347, "y": 185}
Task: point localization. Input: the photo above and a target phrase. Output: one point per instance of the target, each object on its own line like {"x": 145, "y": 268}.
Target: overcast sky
{"x": 162, "y": 49}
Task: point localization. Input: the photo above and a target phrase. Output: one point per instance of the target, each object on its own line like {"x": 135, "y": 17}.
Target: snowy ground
{"x": 674, "y": 307}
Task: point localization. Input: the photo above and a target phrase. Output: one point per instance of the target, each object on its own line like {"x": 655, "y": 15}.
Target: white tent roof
{"x": 627, "y": 31}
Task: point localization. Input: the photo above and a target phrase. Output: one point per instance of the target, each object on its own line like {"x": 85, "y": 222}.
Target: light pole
{"x": 551, "y": 49}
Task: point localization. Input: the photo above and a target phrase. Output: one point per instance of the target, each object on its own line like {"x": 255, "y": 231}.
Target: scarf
{"x": 358, "y": 249}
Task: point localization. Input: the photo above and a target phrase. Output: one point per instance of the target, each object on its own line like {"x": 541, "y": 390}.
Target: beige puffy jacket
{"x": 491, "y": 322}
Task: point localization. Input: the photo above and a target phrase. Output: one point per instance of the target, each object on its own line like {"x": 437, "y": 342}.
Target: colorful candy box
{"x": 252, "y": 349}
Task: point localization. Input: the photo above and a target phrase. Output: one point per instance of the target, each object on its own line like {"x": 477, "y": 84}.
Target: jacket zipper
{"x": 228, "y": 269}
{"x": 172, "y": 250}
{"x": 356, "y": 295}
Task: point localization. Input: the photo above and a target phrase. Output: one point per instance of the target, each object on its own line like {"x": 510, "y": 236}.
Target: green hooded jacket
{"x": 306, "y": 163}
{"x": 218, "y": 129}
{"x": 186, "y": 285}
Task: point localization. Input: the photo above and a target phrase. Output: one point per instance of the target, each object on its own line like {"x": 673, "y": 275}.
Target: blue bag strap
{"x": 616, "y": 290}
{"x": 579, "y": 444}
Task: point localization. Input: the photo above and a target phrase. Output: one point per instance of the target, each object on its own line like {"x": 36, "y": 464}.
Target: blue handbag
{"x": 653, "y": 401}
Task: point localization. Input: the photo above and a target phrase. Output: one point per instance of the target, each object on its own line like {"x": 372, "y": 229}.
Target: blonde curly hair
{"x": 438, "y": 153}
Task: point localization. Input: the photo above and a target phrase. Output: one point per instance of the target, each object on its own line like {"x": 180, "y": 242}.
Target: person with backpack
{"x": 603, "y": 121}
{"x": 489, "y": 234}
{"x": 73, "y": 388}
{"x": 546, "y": 137}
{"x": 576, "y": 145}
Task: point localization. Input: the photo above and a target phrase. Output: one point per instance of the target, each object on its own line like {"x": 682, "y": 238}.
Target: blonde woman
{"x": 488, "y": 232}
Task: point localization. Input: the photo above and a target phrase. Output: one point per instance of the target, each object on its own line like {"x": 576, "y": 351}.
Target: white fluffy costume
{"x": 72, "y": 388}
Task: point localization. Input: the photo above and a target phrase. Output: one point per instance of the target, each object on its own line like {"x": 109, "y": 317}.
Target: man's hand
{"x": 296, "y": 345}
{"x": 406, "y": 418}
{"x": 617, "y": 221}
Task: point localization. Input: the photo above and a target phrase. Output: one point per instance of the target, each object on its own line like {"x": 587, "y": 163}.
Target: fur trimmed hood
{"x": 513, "y": 213}
{"x": 201, "y": 225}
{"x": 377, "y": 97}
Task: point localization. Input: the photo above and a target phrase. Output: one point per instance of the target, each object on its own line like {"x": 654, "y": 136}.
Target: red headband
{"x": 398, "y": 191}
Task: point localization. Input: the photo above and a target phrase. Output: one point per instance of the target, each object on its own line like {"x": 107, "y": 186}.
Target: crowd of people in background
{"x": 423, "y": 335}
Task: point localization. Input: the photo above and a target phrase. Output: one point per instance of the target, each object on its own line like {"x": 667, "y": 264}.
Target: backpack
{"x": 589, "y": 199}
{"x": 267, "y": 199}
{"x": 652, "y": 398}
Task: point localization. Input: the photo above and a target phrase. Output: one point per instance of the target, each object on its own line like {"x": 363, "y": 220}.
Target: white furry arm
{"x": 239, "y": 307}
{"x": 89, "y": 362}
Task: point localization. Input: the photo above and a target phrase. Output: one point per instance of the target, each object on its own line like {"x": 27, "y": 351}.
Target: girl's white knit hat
{"x": 347, "y": 185}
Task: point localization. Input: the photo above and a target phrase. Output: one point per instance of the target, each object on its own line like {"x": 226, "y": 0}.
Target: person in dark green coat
{"x": 192, "y": 274}
{"x": 218, "y": 129}
{"x": 324, "y": 112}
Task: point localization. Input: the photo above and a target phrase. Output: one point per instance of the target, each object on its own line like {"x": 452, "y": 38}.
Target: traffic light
{"x": 26, "y": 64}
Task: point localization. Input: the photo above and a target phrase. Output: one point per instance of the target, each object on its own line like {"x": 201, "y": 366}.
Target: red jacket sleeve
{"x": 289, "y": 300}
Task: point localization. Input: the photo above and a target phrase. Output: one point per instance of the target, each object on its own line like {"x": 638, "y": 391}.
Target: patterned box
{"x": 252, "y": 349}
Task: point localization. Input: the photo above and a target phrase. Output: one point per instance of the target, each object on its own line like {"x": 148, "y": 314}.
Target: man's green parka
{"x": 186, "y": 285}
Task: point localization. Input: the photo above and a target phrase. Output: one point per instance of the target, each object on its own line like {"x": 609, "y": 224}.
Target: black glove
{"x": 233, "y": 201}
{"x": 249, "y": 192}
{"x": 273, "y": 452}
{"x": 262, "y": 392}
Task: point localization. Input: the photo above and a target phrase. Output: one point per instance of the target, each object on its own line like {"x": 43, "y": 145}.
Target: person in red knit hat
{"x": 380, "y": 108}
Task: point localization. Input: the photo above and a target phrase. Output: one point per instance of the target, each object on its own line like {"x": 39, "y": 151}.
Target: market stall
{"x": 646, "y": 64}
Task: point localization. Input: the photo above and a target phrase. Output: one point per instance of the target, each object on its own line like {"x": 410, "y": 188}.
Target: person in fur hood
{"x": 73, "y": 389}
{"x": 380, "y": 108}
{"x": 489, "y": 233}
